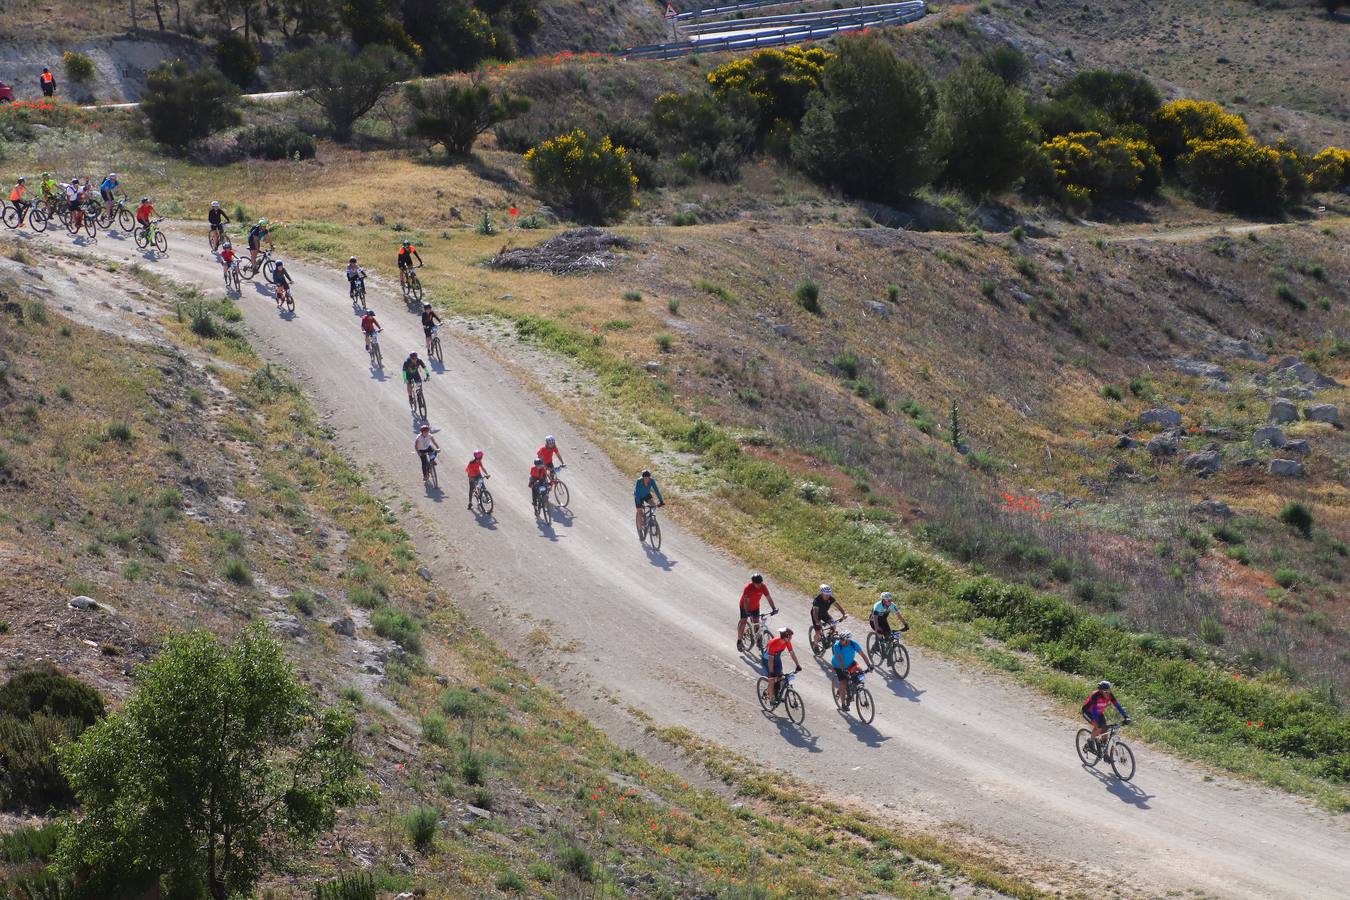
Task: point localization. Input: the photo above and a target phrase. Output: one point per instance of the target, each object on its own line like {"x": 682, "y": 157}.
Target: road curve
{"x": 952, "y": 747}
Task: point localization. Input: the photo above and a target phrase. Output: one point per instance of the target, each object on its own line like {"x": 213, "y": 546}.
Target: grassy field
{"x": 200, "y": 490}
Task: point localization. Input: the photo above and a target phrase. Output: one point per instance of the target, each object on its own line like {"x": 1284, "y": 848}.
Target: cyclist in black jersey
{"x": 217, "y": 218}
{"x": 412, "y": 373}
{"x": 820, "y": 610}
{"x": 429, "y": 321}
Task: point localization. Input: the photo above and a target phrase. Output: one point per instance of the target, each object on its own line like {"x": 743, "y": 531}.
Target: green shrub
{"x": 633, "y": 296}
{"x": 710, "y": 138}
{"x": 454, "y": 115}
{"x": 421, "y": 824}
{"x": 399, "y": 627}
{"x": 184, "y": 106}
{"x": 774, "y": 84}
{"x": 847, "y": 363}
{"x": 1174, "y": 125}
{"x": 869, "y": 130}
{"x": 1122, "y": 97}
{"x": 1228, "y": 534}
{"x": 275, "y": 141}
{"x": 1297, "y": 516}
{"x": 510, "y": 881}
{"x": 348, "y": 886}
{"x": 982, "y": 129}
{"x": 79, "y": 68}
{"x": 1240, "y": 555}
{"x": 1286, "y": 578}
{"x": 236, "y": 571}
{"x": 459, "y": 702}
{"x": 118, "y": 431}
{"x": 684, "y": 219}
{"x": 471, "y": 768}
{"x": 434, "y": 730}
{"x": 1007, "y": 62}
{"x": 1286, "y": 293}
{"x": 26, "y": 844}
{"x": 1235, "y": 173}
{"x": 591, "y": 177}
{"x": 344, "y": 85}
{"x": 664, "y": 342}
{"x": 1111, "y": 392}
{"x": 40, "y": 709}
{"x": 808, "y": 297}
{"x": 1211, "y": 631}
{"x": 46, "y": 691}
{"x": 575, "y": 859}
{"x": 238, "y": 59}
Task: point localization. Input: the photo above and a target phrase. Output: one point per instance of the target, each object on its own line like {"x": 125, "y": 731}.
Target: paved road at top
{"x": 951, "y": 747}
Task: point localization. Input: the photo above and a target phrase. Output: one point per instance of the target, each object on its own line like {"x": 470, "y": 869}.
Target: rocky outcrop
{"x": 1323, "y": 412}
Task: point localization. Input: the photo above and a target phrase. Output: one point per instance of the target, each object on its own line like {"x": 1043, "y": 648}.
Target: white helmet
{"x": 826, "y": 590}
{"x": 886, "y": 597}
{"x": 845, "y": 635}
{"x": 550, "y": 440}
{"x": 215, "y": 204}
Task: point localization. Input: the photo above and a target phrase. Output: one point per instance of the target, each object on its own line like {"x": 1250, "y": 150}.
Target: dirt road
{"x": 950, "y": 748}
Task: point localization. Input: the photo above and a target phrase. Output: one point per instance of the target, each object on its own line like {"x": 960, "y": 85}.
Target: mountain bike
{"x": 756, "y": 634}
{"x": 86, "y": 221}
{"x": 434, "y": 351}
{"x": 561, "y": 495}
{"x": 1111, "y": 748}
{"x": 150, "y": 235}
{"x": 429, "y": 468}
{"x": 358, "y": 291}
{"x": 419, "y": 402}
{"x": 412, "y": 285}
{"x": 13, "y": 217}
{"x": 651, "y": 529}
{"x": 890, "y": 651}
{"x": 541, "y": 508}
{"x": 39, "y": 214}
{"x": 373, "y": 348}
{"x": 822, "y": 639}
{"x": 215, "y": 236}
{"x": 265, "y": 264}
{"x": 857, "y": 694}
{"x": 787, "y": 697}
{"x": 232, "y": 276}
{"x": 285, "y": 297}
{"x": 117, "y": 213}
{"x": 482, "y": 497}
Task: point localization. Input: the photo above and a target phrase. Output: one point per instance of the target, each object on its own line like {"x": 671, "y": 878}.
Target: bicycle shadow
{"x": 378, "y": 374}
{"x": 436, "y": 366}
{"x": 1124, "y": 791}
{"x": 546, "y": 529}
{"x": 864, "y": 733}
{"x": 659, "y": 559}
{"x": 798, "y": 736}
{"x": 434, "y": 492}
{"x": 901, "y": 687}
{"x": 286, "y": 313}
{"x": 486, "y": 521}
{"x": 563, "y": 516}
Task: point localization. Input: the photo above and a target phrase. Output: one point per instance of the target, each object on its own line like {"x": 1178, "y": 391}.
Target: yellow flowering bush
{"x": 1178, "y": 123}
{"x": 1330, "y": 169}
{"x": 774, "y": 83}
{"x": 1089, "y": 166}
{"x": 589, "y": 176}
{"x": 1235, "y": 173}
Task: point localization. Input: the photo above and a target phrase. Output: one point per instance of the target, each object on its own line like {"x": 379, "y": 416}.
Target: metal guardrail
{"x": 880, "y": 10}
{"x": 789, "y": 34}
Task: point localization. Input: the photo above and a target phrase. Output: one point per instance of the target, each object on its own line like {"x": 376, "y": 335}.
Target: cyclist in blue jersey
{"x": 881, "y": 613}
{"x": 643, "y": 492}
{"x": 107, "y": 186}
{"x": 844, "y": 657}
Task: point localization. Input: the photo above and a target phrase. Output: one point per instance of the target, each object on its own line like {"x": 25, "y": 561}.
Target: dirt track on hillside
{"x": 952, "y": 748}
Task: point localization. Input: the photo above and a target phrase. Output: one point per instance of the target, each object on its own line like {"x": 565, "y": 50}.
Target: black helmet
{"x": 757, "y": 578}
{"x": 646, "y": 473}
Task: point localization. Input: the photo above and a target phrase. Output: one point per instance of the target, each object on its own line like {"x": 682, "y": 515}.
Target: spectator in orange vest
{"x": 48, "y": 82}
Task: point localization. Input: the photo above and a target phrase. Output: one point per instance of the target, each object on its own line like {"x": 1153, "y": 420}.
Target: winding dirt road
{"x": 951, "y": 748}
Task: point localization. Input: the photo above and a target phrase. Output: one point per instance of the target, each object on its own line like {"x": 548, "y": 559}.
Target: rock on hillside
{"x": 580, "y": 25}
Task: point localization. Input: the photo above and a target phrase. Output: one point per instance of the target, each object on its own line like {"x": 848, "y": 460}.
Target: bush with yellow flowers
{"x": 1090, "y": 166}
{"x": 589, "y": 176}
{"x": 1178, "y": 123}
{"x": 773, "y": 84}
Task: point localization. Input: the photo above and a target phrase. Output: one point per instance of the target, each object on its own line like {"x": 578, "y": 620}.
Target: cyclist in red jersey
{"x": 549, "y": 451}
{"x": 754, "y": 591}
{"x": 475, "y": 471}
{"x": 538, "y": 475}
{"x": 369, "y": 325}
{"x": 773, "y": 659}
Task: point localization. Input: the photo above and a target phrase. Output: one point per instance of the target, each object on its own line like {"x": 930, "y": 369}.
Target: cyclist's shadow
{"x": 797, "y": 735}
{"x": 901, "y": 687}
{"x": 659, "y": 559}
{"x": 286, "y": 313}
{"x": 563, "y": 516}
{"x": 434, "y": 493}
{"x": 1125, "y": 791}
{"x": 486, "y": 521}
{"x": 378, "y": 374}
{"x": 546, "y": 529}
{"x": 436, "y": 365}
{"x": 865, "y": 733}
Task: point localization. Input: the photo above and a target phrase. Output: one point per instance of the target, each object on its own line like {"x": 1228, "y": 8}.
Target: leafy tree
{"x": 218, "y": 760}
{"x": 590, "y": 176}
{"x": 1069, "y": 115}
{"x": 1235, "y": 173}
{"x": 454, "y": 36}
{"x": 1124, "y": 97}
{"x": 1329, "y": 170}
{"x": 302, "y": 18}
{"x": 455, "y": 115}
{"x": 1090, "y": 167}
{"x": 983, "y": 130}
{"x": 705, "y": 134}
{"x": 238, "y": 59}
{"x": 1176, "y": 124}
{"x": 774, "y": 83}
{"x": 377, "y": 23}
{"x": 40, "y": 709}
{"x": 184, "y": 106}
{"x": 869, "y": 130}
{"x": 1007, "y": 62}
{"x": 346, "y": 86}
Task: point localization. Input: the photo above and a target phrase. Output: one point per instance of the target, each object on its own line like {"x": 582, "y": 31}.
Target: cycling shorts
{"x": 773, "y": 664}
{"x": 1096, "y": 717}
{"x": 842, "y": 674}
{"x": 426, "y": 330}
{"x": 751, "y": 614}
{"x": 820, "y": 618}
{"x": 405, "y": 262}
{"x": 641, "y": 503}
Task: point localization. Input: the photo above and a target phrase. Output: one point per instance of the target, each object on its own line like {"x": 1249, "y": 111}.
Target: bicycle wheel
{"x": 898, "y": 660}
{"x": 1122, "y": 761}
{"x": 421, "y": 404}
{"x": 141, "y": 240}
{"x": 834, "y": 693}
{"x": 546, "y": 513}
{"x": 817, "y": 643}
{"x": 560, "y": 493}
{"x": 435, "y": 480}
{"x": 1089, "y": 756}
{"x": 290, "y": 301}
{"x": 873, "y": 649}
{"x": 436, "y": 355}
{"x": 213, "y": 238}
{"x": 762, "y": 692}
{"x": 246, "y": 270}
{"x": 73, "y": 227}
{"x": 862, "y": 702}
{"x": 269, "y": 270}
{"x": 654, "y": 534}
{"x": 125, "y": 220}
{"x": 484, "y": 501}
{"x": 234, "y": 278}
{"x": 796, "y": 712}
{"x": 415, "y": 287}
{"x": 90, "y": 225}
{"x": 38, "y": 218}
{"x": 10, "y": 217}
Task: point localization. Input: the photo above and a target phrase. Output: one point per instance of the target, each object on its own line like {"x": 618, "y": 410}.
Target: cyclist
{"x": 49, "y": 188}
{"x": 228, "y": 258}
{"x": 412, "y": 374}
{"x": 144, "y": 213}
{"x": 354, "y": 272}
{"x": 475, "y": 471}
{"x": 425, "y": 444}
{"x": 773, "y": 660}
{"x": 405, "y": 261}
{"x": 369, "y": 326}
{"x": 538, "y": 477}
{"x": 642, "y": 495}
{"x": 820, "y": 611}
{"x": 429, "y": 321}
{"x": 1094, "y": 710}
{"x": 548, "y": 453}
{"x": 217, "y": 218}
{"x": 754, "y": 591}
{"x": 256, "y": 235}
{"x": 283, "y": 280}
{"x": 73, "y": 202}
{"x": 844, "y": 658}
{"x": 107, "y": 186}
{"x": 881, "y": 613}
{"x": 16, "y": 197}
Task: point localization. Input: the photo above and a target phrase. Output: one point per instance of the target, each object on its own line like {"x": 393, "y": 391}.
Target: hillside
{"x": 1078, "y": 438}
